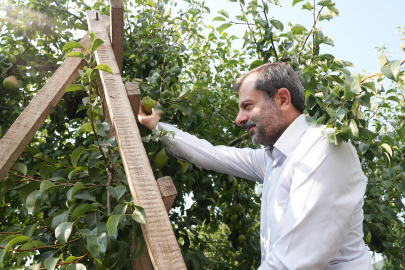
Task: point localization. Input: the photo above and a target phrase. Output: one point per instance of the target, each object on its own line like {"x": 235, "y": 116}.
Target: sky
{"x": 361, "y": 26}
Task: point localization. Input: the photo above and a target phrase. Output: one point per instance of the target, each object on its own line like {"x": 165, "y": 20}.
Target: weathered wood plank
{"x": 162, "y": 244}
{"x": 30, "y": 120}
{"x": 106, "y": 21}
{"x": 134, "y": 96}
{"x": 168, "y": 191}
{"x": 117, "y": 29}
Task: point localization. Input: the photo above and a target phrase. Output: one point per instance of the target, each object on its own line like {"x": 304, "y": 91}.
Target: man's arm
{"x": 247, "y": 163}
{"x": 325, "y": 203}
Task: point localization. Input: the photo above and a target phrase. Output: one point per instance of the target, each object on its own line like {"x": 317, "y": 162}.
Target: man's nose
{"x": 241, "y": 118}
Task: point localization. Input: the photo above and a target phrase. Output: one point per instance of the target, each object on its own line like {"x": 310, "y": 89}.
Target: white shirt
{"x": 312, "y": 199}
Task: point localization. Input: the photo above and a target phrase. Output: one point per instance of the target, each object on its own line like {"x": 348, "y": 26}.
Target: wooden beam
{"x": 162, "y": 244}
{"x": 134, "y": 96}
{"x": 106, "y": 21}
{"x": 117, "y": 29}
{"x": 169, "y": 193}
{"x": 31, "y": 119}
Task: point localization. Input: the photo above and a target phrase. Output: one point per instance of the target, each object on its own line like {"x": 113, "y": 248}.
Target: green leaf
{"x": 112, "y": 223}
{"x": 76, "y": 266}
{"x": 326, "y": 3}
{"x": 105, "y": 68}
{"x": 255, "y": 64}
{"x": 353, "y": 128}
{"x": 85, "y": 195}
{"x": 371, "y": 86}
{"x": 139, "y": 246}
{"x": 355, "y": 87}
{"x": 74, "y": 157}
{"x": 299, "y": 28}
{"x": 117, "y": 191}
{"x": 223, "y": 13}
{"x": 71, "y": 45}
{"x": 16, "y": 239}
{"x": 29, "y": 230}
{"x": 395, "y": 68}
{"x": 60, "y": 218}
{"x": 86, "y": 127}
{"x": 32, "y": 202}
{"x": 139, "y": 215}
{"x": 93, "y": 219}
{"x": 75, "y": 87}
{"x": 387, "y": 148}
{"x": 20, "y": 167}
{"x": 50, "y": 263}
{"x": 185, "y": 109}
{"x": 72, "y": 192}
{"x": 402, "y": 45}
{"x": 278, "y": 25}
{"x": 219, "y": 18}
{"x": 383, "y": 59}
{"x": 332, "y": 113}
{"x": 307, "y": 6}
{"x": 81, "y": 210}
{"x": 75, "y": 54}
{"x": 92, "y": 36}
{"x": 341, "y": 114}
{"x": 223, "y": 27}
{"x": 96, "y": 44}
{"x": 296, "y": 2}
{"x": 388, "y": 72}
{"x": 45, "y": 185}
{"x": 150, "y": 3}
{"x": 97, "y": 246}
{"x": 401, "y": 134}
{"x": 62, "y": 232}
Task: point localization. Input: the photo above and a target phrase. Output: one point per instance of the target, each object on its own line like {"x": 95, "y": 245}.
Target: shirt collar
{"x": 288, "y": 140}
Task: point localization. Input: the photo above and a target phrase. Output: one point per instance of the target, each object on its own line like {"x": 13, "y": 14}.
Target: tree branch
{"x": 238, "y": 140}
{"x": 310, "y": 32}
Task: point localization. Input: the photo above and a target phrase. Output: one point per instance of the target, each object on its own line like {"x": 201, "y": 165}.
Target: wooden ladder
{"x": 120, "y": 105}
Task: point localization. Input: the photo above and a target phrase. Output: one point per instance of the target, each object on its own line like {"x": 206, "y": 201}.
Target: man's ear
{"x": 284, "y": 98}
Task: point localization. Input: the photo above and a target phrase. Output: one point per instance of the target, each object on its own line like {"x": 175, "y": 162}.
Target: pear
{"x": 184, "y": 165}
{"x": 234, "y": 218}
{"x": 161, "y": 158}
{"x": 238, "y": 225}
{"x": 148, "y": 104}
{"x": 367, "y": 238}
{"x": 11, "y": 59}
{"x": 10, "y": 83}
{"x": 241, "y": 238}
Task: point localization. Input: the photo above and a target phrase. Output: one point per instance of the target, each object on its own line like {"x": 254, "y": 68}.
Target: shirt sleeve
{"x": 327, "y": 189}
{"x": 242, "y": 162}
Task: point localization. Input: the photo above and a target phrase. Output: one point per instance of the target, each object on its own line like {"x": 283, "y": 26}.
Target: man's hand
{"x": 149, "y": 121}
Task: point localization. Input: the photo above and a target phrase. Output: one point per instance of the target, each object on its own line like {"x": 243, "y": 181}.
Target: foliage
{"x": 55, "y": 199}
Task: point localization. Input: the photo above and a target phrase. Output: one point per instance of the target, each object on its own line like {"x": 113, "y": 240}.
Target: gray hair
{"x": 274, "y": 76}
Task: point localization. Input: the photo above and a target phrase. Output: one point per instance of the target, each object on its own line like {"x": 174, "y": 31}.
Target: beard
{"x": 269, "y": 125}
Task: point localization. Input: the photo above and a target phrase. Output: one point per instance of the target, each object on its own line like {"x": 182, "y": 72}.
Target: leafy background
{"x": 67, "y": 201}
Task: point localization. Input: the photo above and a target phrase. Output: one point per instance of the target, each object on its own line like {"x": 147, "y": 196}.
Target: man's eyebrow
{"x": 245, "y": 101}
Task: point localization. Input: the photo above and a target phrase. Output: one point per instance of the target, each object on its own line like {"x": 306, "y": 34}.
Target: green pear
{"x": 241, "y": 238}
{"x": 367, "y": 238}
{"x": 148, "y": 104}
{"x": 184, "y": 165}
{"x": 11, "y": 59}
{"x": 161, "y": 159}
{"x": 238, "y": 225}
{"x": 10, "y": 83}
{"x": 234, "y": 218}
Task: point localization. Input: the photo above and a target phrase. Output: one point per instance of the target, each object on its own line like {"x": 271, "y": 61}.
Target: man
{"x": 311, "y": 209}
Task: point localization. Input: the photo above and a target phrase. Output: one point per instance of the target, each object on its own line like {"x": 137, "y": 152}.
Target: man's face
{"x": 259, "y": 115}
